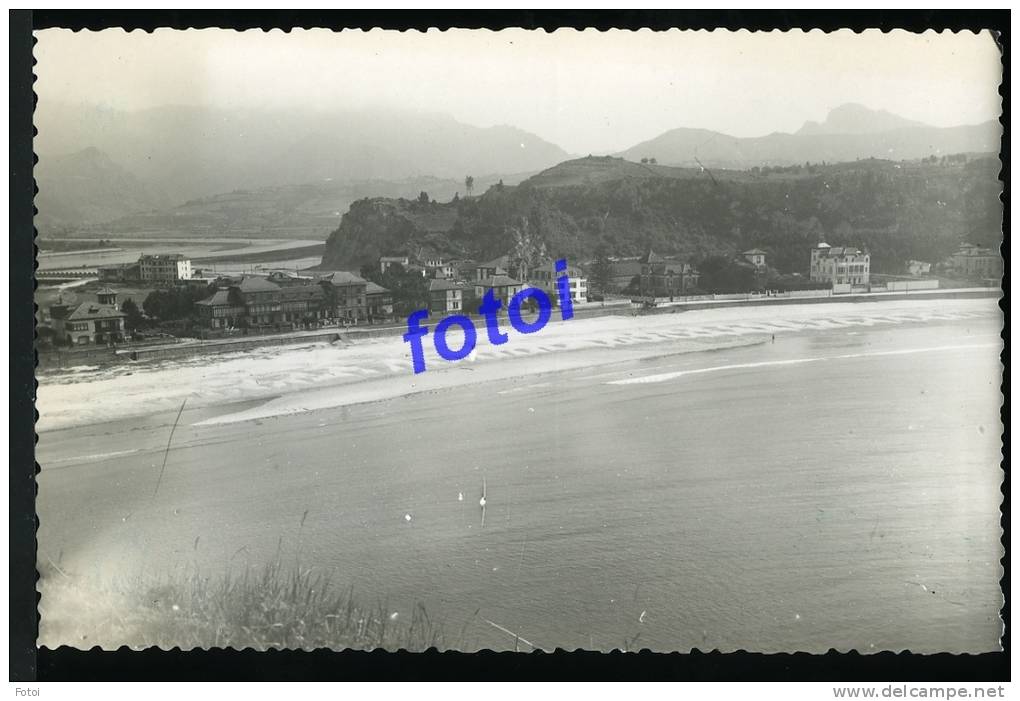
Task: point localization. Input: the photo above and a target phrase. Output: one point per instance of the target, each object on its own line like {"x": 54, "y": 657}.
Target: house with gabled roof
{"x": 545, "y": 277}
{"x": 492, "y": 268}
{"x": 503, "y": 287}
{"x": 100, "y": 322}
{"x": 665, "y": 277}
{"x": 840, "y": 265}
{"x": 445, "y": 296}
{"x": 224, "y": 309}
{"x": 345, "y": 295}
{"x": 755, "y": 257}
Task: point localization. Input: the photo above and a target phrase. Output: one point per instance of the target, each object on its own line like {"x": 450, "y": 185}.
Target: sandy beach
{"x": 304, "y": 377}
{"x": 639, "y": 493}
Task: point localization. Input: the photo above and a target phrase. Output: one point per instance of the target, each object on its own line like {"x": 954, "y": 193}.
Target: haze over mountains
{"x": 849, "y": 133}
{"x": 181, "y": 153}
{"x": 97, "y": 164}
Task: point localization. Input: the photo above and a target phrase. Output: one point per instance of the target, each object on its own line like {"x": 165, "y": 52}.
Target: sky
{"x": 587, "y": 91}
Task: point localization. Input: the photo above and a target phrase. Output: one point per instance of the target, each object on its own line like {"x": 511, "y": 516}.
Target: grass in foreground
{"x": 272, "y": 607}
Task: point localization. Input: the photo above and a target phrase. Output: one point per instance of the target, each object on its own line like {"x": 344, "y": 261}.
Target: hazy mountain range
{"x": 97, "y": 165}
{"x": 849, "y": 133}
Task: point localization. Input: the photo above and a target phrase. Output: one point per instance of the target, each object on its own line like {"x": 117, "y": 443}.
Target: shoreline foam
{"x": 291, "y": 379}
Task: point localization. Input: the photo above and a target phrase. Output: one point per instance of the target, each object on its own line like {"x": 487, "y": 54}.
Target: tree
{"x": 644, "y": 160}
{"x": 469, "y": 184}
{"x": 723, "y": 275}
{"x": 134, "y": 318}
{"x": 601, "y": 269}
{"x": 423, "y": 197}
{"x": 174, "y": 303}
{"x": 409, "y": 289}
{"x": 652, "y": 161}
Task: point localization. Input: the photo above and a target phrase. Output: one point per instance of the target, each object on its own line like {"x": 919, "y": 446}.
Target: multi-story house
{"x": 223, "y": 310}
{"x": 119, "y": 272}
{"x": 441, "y": 271}
{"x": 502, "y": 286}
{"x": 840, "y": 265}
{"x": 503, "y": 265}
{"x": 302, "y": 305}
{"x": 164, "y": 268}
{"x": 755, "y": 257}
{"x": 545, "y": 277}
{"x": 492, "y": 268}
{"x": 255, "y": 302}
{"x": 262, "y": 300}
{"x": 662, "y": 277}
{"x": 445, "y": 296}
{"x": 378, "y": 302}
{"x": 976, "y": 262}
{"x": 345, "y": 296}
{"x": 100, "y": 322}
{"x": 386, "y": 261}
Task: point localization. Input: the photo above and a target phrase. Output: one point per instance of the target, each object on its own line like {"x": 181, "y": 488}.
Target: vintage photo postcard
{"x": 519, "y": 340}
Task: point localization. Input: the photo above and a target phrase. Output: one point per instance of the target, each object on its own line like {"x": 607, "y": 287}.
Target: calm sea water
{"x": 831, "y": 489}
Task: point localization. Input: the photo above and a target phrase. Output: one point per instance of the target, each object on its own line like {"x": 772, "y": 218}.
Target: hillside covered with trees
{"x": 897, "y": 210}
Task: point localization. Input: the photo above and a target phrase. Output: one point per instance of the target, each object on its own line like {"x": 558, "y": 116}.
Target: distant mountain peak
{"x": 854, "y": 118}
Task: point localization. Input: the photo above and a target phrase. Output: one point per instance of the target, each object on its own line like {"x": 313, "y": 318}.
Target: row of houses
{"x": 283, "y": 300}
{"x": 505, "y": 276}
{"x": 662, "y": 276}
{"x": 846, "y": 265}
{"x": 432, "y": 267}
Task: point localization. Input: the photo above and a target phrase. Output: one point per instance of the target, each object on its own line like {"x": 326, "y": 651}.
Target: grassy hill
{"x": 898, "y": 210}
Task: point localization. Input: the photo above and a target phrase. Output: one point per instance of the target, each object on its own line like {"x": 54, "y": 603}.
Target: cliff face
{"x": 898, "y": 211}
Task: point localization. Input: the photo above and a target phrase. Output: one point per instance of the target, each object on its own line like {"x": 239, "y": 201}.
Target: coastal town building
{"x": 755, "y": 257}
{"x": 662, "y": 277}
{"x": 445, "y": 296}
{"x": 164, "y": 268}
{"x": 345, "y": 296}
{"x": 256, "y": 302}
{"x": 223, "y": 310}
{"x": 100, "y": 322}
{"x": 385, "y": 262}
{"x": 492, "y": 268}
{"x": 918, "y": 268}
{"x": 378, "y": 302}
{"x": 507, "y": 265}
{"x": 545, "y": 277}
{"x": 840, "y": 265}
{"x": 503, "y": 287}
{"x": 439, "y": 269}
{"x": 976, "y": 262}
{"x": 119, "y": 272}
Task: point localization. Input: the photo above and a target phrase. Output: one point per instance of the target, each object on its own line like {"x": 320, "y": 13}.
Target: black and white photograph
{"x": 519, "y": 340}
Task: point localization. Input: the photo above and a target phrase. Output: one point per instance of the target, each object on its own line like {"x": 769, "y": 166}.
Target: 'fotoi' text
{"x": 489, "y": 309}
